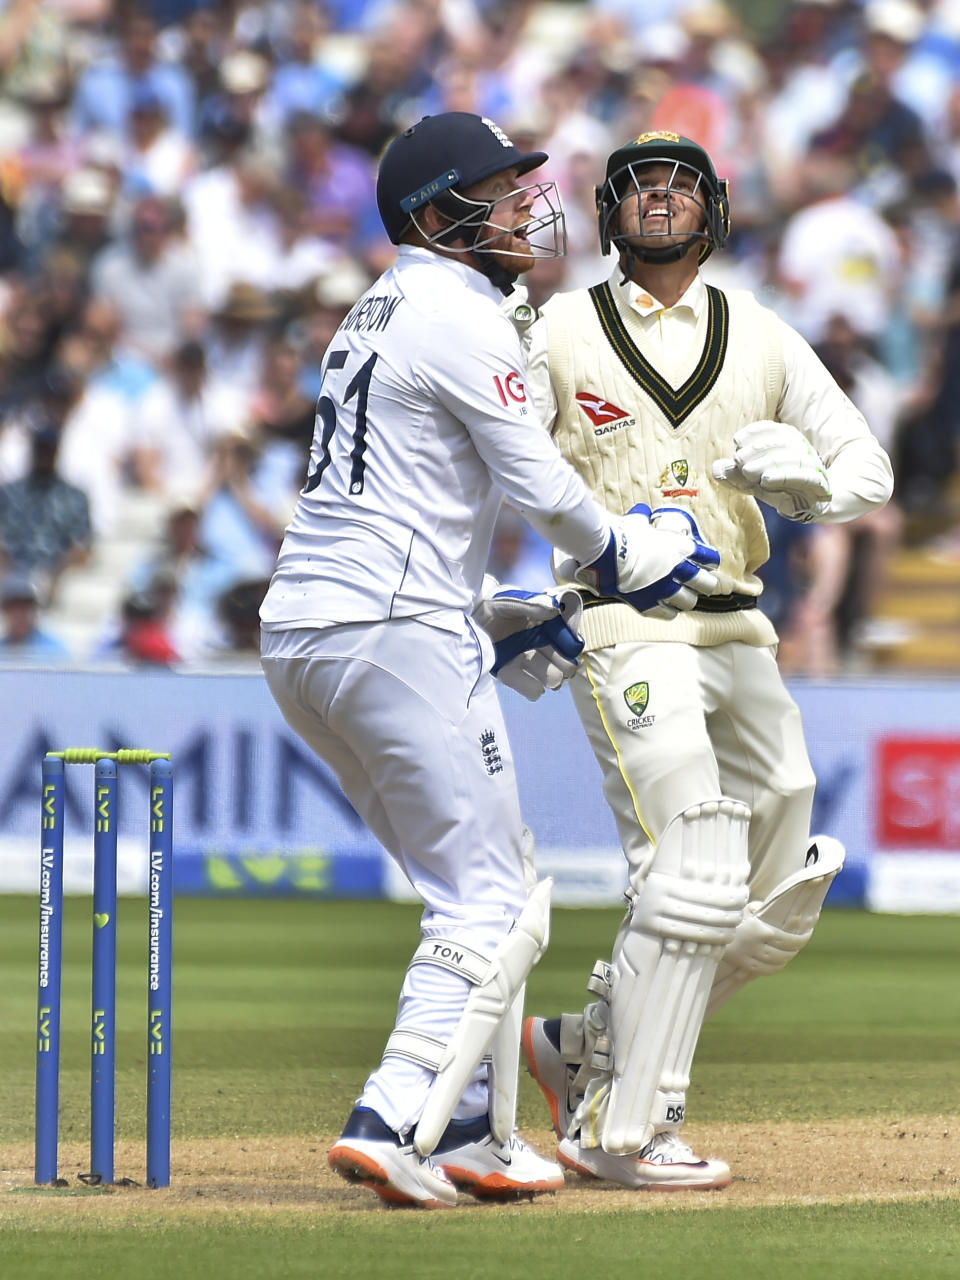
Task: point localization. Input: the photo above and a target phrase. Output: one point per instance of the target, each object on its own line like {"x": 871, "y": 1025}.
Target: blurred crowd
{"x": 187, "y": 211}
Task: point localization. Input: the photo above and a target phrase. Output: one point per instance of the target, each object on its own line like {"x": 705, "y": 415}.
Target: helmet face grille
{"x": 476, "y": 223}
{"x": 687, "y": 160}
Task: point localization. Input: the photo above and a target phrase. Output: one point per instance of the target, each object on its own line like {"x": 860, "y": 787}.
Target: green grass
{"x": 282, "y": 1007}
{"x": 907, "y": 1241}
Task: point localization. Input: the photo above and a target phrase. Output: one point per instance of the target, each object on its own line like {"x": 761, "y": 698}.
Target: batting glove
{"x": 656, "y": 567}
{"x": 775, "y": 463}
{"x": 536, "y": 636}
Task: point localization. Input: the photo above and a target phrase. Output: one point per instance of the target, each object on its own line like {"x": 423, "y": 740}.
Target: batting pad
{"x": 774, "y": 930}
{"x": 683, "y": 918}
{"x": 488, "y": 1004}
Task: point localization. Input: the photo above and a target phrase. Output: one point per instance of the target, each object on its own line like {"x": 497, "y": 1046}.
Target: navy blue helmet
{"x": 435, "y": 159}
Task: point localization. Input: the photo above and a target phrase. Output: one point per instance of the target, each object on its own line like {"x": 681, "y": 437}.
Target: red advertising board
{"x": 918, "y": 786}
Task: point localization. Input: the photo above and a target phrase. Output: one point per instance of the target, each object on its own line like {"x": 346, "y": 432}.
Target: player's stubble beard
{"x": 512, "y": 254}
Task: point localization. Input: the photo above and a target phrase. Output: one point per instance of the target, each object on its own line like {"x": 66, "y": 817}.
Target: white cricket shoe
{"x": 369, "y": 1152}
{"x": 475, "y": 1161}
{"x": 554, "y": 1076}
{"x": 666, "y": 1163}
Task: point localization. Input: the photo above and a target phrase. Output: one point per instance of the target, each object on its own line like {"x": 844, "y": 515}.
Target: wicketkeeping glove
{"x": 777, "y": 464}
{"x": 658, "y": 567}
{"x": 536, "y": 635}
{"x": 689, "y": 587}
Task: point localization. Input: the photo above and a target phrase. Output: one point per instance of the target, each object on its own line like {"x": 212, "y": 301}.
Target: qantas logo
{"x": 604, "y": 415}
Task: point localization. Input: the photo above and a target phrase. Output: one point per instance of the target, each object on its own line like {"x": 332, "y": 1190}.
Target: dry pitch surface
{"x": 790, "y": 1163}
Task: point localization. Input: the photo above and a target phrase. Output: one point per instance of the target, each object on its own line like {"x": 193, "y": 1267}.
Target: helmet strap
{"x": 498, "y": 276}
{"x": 630, "y": 256}
{"x": 628, "y": 263}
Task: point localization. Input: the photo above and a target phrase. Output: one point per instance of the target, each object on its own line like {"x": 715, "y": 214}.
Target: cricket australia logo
{"x": 673, "y": 481}
{"x": 491, "y": 752}
{"x": 636, "y": 697}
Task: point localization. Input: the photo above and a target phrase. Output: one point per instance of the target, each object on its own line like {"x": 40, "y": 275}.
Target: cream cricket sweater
{"x": 636, "y": 436}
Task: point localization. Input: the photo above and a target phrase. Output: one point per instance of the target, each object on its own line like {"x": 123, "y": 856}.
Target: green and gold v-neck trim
{"x": 676, "y": 405}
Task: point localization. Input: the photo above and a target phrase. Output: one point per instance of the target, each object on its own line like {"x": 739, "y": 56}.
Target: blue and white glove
{"x": 659, "y": 567}
{"x": 692, "y": 585}
{"x": 775, "y": 463}
{"x": 536, "y": 635}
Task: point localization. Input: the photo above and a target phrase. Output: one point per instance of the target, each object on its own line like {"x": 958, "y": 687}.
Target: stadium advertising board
{"x": 917, "y": 864}
{"x": 256, "y": 813}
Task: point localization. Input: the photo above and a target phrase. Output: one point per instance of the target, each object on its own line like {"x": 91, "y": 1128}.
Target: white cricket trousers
{"x": 407, "y": 717}
{"x": 674, "y": 725}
